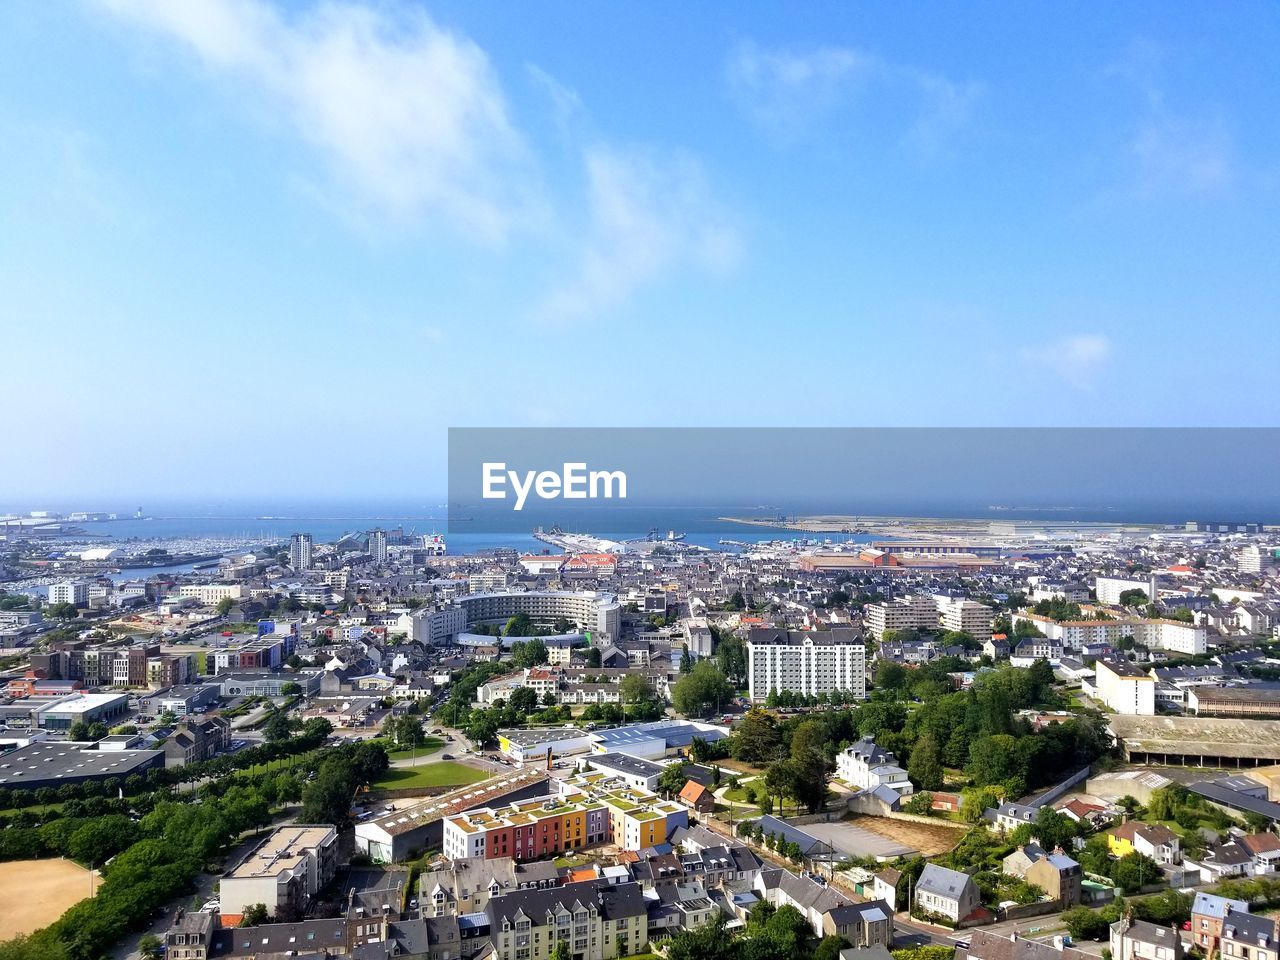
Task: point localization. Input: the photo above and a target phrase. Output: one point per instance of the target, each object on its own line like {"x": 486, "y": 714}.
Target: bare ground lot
{"x": 930, "y": 839}
{"x": 34, "y": 893}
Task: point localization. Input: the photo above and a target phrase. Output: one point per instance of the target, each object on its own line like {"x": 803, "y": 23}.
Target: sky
{"x": 255, "y": 248}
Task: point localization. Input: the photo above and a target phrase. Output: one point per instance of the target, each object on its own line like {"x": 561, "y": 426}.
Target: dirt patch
{"x": 930, "y": 839}
{"x": 34, "y": 893}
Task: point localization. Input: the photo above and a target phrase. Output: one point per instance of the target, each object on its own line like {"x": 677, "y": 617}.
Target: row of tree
{"x": 158, "y": 855}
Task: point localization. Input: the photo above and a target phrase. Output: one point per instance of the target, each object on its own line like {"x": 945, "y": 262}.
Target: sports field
{"x": 34, "y": 893}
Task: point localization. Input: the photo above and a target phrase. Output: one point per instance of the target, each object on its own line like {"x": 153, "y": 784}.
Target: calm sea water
{"x": 274, "y": 523}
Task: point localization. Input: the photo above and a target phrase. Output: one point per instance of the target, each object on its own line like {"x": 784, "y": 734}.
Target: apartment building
{"x": 432, "y": 627}
{"x": 967, "y": 615}
{"x": 588, "y": 810}
{"x": 806, "y": 662}
{"x": 598, "y": 920}
{"x": 1109, "y": 589}
{"x": 300, "y": 549}
{"x": 1124, "y": 688}
{"x": 283, "y": 873}
{"x": 917, "y": 612}
{"x": 210, "y": 594}
{"x": 1255, "y": 559}
{"x": 1171, "y": 635}
{"x": 75, "y": 592}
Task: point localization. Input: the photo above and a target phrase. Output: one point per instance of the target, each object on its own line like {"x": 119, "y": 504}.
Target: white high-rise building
{"x": 807, "y": 662}
{"x": 69, "y": 591}
{"x": 378, "y": 546}
{"x": 300, "y": 551}
{"x": 1254, "y": 559}
{"x": 918, "y": 612}
{"x": 968, "y": 615}
{"x": 1125, "y": 688}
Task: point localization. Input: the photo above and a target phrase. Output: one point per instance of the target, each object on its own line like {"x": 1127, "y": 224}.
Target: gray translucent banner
{"x": 634, "y": 482}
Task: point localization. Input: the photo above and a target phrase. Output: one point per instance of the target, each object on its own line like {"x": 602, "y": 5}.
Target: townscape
{"x": 1007, "y": 741}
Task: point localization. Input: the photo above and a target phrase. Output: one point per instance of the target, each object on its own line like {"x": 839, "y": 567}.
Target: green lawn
{"x": 444, "y": 773}
{"x": 431, "y": 743}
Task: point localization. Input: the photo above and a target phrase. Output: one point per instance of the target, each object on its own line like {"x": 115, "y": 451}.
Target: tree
{"x": 291, "y": 688}
{"x": 61, "y": 611}
{"x": 518, "y": 626}
{"x": 925, "y": 768}
{"x": 224, "y": 606}
{"x": 920, "y": 804}
{"x": 255, "y": 915}
{"x": 1133, "y": 598}
{"x": 736, "y": 601}
{"x": 891, "y": 676}
{"x": 830, "y": 947}
{"x": 530, "y": 653}
{"x": 810, "y": 769}
{"x": 1085, "y": 924}
{"x": 523, "y": 700}
{"x": 757, "y": 738}
{"x": 1134, "y": 871}
{"x": 686, "y": 661}
{"x": 672, "y": 779}
{"x": 561, "y": 951}
{"x": 974, "y": 802}
{"x": 593, "y": 657}
{"x": 149, "y": 946}
{"x": 277, "y": 727}
{"x": 635, "y": 688}
{"x": 701, "y": 691}
{"x": 1053, "y": 829}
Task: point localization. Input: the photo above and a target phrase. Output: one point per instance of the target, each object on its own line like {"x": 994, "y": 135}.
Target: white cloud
{"x": 785, "y": 91}
{"x": 409, "y": 115}
{"x": 1076, "y": 359}
{"x": 1180, "y": 155}
{"x": 566, "y": 105}
{"x": 649, "y": 213}
{"x": 1171, "y": 151}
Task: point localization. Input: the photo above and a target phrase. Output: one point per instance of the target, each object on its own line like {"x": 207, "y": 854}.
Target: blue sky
{"x": 257, "y": 248}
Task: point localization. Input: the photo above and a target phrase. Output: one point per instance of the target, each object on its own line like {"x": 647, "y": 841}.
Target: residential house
{"x": 1150, "y": 839}
{"x": 1249, "y": 937}
{"x": 886, "y": 886}
{"x": 191, "y": 936}
{"x": 1009, "y": 816}
{"x": 1264, "y": 851}
{"x": 869, "y": 766}
{"x": 867, "y": 924}
{"x": 946, "y": 893}
{"x": 1059, "y": 876}
{"x": 1139, "y": 940}
{"x": 466, "y": 885}
{"x": 697, "y": 797}
{"x": 991, "y": 946}
{"x": 1019, "y": 862}
{"x": 593, "y": 918}
{"x": 1228, "y": 859}
{"x": 195, "y": 739}
{"x": 1208, "y": 911}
